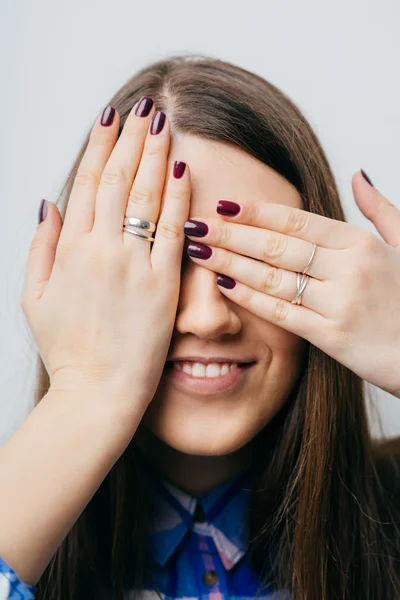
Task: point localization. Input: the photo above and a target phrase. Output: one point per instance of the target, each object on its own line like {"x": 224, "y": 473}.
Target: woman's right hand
{"x": 100, "y": 302}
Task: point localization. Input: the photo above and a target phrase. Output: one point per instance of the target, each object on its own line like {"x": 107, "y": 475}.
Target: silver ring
{"x": 149, "y": 238}
{"x": 141, "y": 223}
{"x": 302, "y": 279}
{"x": 311, "y": 259}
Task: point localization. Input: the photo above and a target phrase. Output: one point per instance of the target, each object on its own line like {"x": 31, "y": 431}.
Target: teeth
{"x": 201, "y": 370}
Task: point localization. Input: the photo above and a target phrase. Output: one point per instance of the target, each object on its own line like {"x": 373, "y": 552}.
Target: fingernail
{"x": 144, "y": 107}
{"x": 108, "y": 116}
{"x": 226, "y": 282}
{"x": 179, "y": 169}
{"x": 42, "y": 211}
{"x": 196, "y": 228}
{"x": 157, "y": 122}
{"x": 199, "y": 250}
{"x": 225, "y": 207}
{"x": 367, "y": 178}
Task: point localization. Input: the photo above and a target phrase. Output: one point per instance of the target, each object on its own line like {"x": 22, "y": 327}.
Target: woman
{"x": 257, "y": 476}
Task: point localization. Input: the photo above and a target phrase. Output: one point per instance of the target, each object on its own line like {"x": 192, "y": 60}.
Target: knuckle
{"x": 249, "y": 299}
{"x": 298, "y": 221}
{"x": 227, "y": 262}
{"x": 369, "y": 245}
{"x": 153, "y": 147}
{"x": 113, "y": 177}
{"x": 86, "y": 178}
{"x": 64, "y": 253}
{"x": 140, "y": 195}
{"x": 169, "y": 229}
{"x": 362, "y": 277}
{"x": 224, "y": 233}
{"x": 274, "y": 246}
{"x": 272, "y": 279}
{"x": 280, "y": 311}
{"x": 254, "y": 212}
{"x": 179, "y": 194}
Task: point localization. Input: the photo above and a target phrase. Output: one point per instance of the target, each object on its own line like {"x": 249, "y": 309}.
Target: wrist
{"x": 111, "y": 405}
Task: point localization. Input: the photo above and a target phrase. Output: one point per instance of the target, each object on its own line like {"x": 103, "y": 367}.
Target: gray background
{"x": 61, "y": 61}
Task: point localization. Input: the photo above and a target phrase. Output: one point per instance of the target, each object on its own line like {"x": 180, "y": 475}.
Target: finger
{"x": 260, "y": 276}
{"x": 298, "y": 223}
{"x": 274, "y": 248}
{"x": 41, "y": 256}
{"x": 79, "y": 215}
{"x": 295, "y": 318}
{"x": 170, "y": 237}
{"x": 144, "y": 200}
{"x": 119, "y": 172}
{"x": 377, "y": 208}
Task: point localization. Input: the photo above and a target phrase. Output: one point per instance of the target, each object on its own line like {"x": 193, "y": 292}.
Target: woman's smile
{"x": 226, "y": 381}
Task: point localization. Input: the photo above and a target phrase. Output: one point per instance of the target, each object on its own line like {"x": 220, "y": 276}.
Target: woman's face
{"x": 209, "y": 324}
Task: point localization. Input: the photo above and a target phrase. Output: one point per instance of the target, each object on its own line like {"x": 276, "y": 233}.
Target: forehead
{"x": 221, "y": 171}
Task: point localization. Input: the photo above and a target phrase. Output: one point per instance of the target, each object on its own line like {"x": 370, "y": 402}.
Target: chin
{"x": 206, "y": 431}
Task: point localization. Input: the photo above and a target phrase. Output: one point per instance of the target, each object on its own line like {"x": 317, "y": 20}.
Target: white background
{"x": 62, "y": 61}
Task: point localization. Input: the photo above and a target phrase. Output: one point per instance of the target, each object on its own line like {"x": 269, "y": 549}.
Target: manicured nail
{"x": 225, "y": 207}
{"x": 157, "y": 122}
{"x": 367, "y": 178}
{"x": 42, "y": 211}
{"x": 226, "y": 282}
{"x": 196, "y": 228}
{"x": 144, "y": 107}
{"x": 108, "y": 116}
{"x": 179, "y": 169}
{"x": 198, "y": 250}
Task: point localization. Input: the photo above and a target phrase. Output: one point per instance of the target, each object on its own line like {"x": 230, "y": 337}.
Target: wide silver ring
{"x": 302, "y": 279}
{"x": 149, "y": 238}
{"x": 140, "y": 223}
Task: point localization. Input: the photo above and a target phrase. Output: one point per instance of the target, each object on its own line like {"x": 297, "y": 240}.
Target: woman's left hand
{"x": 350, "y": 307}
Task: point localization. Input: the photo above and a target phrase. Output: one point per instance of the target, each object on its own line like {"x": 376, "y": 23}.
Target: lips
{"x": 209, "y": 386}
{"x": 169, "y": 364}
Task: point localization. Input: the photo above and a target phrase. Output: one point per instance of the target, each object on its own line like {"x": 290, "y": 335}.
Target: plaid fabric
{"x": 11, "y": 587}
{"x": 201, "y": 558}
{"x": 196, "y": 553}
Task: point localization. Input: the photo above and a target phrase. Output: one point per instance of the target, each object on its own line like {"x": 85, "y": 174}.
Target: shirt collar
{"x": 173, "y": 515}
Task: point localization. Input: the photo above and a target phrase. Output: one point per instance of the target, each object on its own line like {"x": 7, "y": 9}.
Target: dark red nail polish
{"x": 367, "y": 178}
{"x": 226, "y": 282}
{"x": 157, "y": 122}
{"x": 196, "y": 228}
{"x": 198, "y": 250}
{"x": 179, "y": 169}
{"x": 227, "y": 208}
{"x": 108, "y": 116}
{"x": 42, "y": 211}
{"x": 144, "y": 107}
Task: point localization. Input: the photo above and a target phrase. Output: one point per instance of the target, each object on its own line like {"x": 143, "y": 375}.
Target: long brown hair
{"x": 324, "y": 518}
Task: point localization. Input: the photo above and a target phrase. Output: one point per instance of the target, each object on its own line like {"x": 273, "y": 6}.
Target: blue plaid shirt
{"x": 198, "y": 547}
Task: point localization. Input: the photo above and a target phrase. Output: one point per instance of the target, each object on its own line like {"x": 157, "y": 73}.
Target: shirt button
{"x": 199, "y": 515}
{"x": 210, "y": 577}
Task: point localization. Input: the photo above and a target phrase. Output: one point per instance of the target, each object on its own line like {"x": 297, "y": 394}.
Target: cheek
{"x": 288, "y": 353}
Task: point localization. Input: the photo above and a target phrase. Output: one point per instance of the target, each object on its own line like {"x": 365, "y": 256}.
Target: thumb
{"x": 42, "y": 253}
{"x": 377, "y": 208}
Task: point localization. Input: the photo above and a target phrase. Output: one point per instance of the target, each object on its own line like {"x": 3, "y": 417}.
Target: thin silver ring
{"x": 141, "y": 223}
{"x": 149, "y": 238}
{"x": 302, "y": 279}
{"x": 311, "y": 259}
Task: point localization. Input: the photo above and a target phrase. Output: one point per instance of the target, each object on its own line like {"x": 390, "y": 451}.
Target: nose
{"x": 202, "y": 309}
